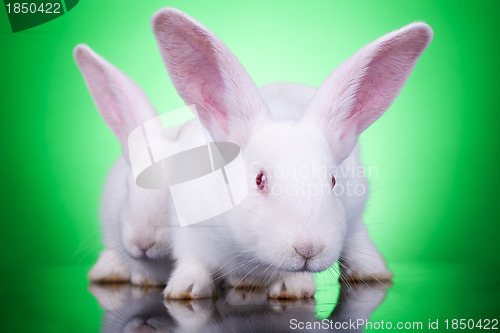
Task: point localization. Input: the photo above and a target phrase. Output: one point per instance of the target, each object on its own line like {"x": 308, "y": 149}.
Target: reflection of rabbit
{"x": 135, "y": 309}
{"x": 291, "y": 223}
{"x": 132, "y": 309}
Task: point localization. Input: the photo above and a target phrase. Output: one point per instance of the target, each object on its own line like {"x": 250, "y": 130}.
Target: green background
{"x": 433, "y": 209}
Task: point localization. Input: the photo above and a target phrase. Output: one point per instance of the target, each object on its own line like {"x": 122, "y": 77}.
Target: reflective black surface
{"x": 137, "y": 309}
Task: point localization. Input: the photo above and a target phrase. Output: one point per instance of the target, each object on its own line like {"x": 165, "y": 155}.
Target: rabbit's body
{"x": 307, "y": 187}
{"x": 137, "y": 219}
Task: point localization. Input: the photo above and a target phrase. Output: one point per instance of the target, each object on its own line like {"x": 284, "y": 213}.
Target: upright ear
{"x": 363, "y": 87}
{"x": 206, "y": 73}
{"x": 121, "y": 103}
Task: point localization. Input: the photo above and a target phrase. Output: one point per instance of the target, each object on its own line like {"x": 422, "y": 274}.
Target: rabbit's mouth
{"x": 145, "y": 252}
{"x": 307, "y": 266}
{"x": 312, "y": 265}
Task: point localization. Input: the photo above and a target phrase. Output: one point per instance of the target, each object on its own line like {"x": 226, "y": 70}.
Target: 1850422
{"x": 471, "y": 324}
{"x": 32, "y": 8}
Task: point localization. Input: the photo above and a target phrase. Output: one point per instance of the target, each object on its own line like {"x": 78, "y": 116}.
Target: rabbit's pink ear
{"x": 361, "y": 89}
{"x": 206, "y": 73}
{"x": 120, "y": 101}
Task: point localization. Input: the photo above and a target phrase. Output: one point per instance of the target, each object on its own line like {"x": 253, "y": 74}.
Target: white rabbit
{"x": 292, "y": 223}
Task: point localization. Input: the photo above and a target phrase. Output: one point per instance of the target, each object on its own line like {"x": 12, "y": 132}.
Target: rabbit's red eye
{"x": 333, "y": 181}
{"x": 260, "y": 180}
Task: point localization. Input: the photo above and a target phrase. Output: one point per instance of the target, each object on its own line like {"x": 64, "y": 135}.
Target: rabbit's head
{"x": 292, "y": 219}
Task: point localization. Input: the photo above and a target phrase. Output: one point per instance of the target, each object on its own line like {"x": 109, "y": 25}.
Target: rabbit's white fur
{"x": 274, "y": 238}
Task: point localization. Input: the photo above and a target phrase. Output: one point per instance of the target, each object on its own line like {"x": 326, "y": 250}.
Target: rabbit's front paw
{"x": 364, "y": 267}
{"x": 109, "y": 268}
{"x": 360, "y": 259}
{"x": 293, "y": 286}
{"x": 191, "y": 285}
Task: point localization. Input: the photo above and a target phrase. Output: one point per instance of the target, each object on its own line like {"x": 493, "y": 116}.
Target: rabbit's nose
{"x": 307, "y": 251}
